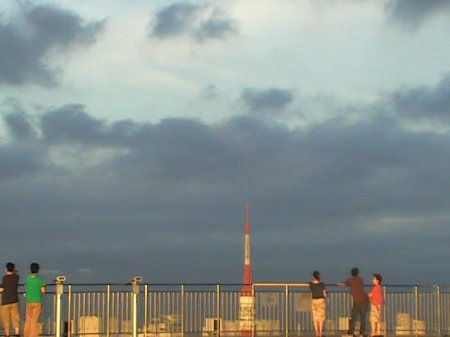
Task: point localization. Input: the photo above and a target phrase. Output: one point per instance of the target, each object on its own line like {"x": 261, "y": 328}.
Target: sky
{"x": 134, "y": 132}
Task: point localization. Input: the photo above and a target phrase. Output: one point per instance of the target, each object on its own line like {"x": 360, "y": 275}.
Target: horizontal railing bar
{"x": 291, "y": 284}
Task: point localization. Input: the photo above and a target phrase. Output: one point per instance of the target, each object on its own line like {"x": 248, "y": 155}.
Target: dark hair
{"x": 378, "y": 277}
{"x": 10, "y": 266}
{"x": 316, "y": 275}
{"x": 355, "y": 271}
{"x": 34, "y": 268}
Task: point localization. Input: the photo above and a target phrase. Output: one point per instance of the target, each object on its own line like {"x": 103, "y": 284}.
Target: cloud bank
{"x": 334, "y": 193}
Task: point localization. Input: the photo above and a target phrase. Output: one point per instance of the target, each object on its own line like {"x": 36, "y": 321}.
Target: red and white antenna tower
{"x": 247, "y": 280}
{"x": 247, "y": 300}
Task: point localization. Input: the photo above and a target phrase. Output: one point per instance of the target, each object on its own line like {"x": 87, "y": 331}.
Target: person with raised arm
{"x": 360, "y": 302}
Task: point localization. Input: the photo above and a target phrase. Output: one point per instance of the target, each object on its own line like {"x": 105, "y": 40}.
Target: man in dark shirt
{"x": 360, "y": 301}
{"x": 10, "y": 300}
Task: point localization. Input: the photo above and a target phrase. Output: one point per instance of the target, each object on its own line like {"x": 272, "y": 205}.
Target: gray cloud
{"x": 70, "y": 123}
{"x": 215, "y": 28}
{"x": 174, "y": 192}
{"x": 27, "y": 39}
{"x": 19, "y": 125}
{"x": 21, "y": 156}
{"x": 174, "y": 19}
{"x": 423, "y": 102}
{"x": 413, "y": 13}
{"x": 200, "y": 21}
{"x": 272, "y": 99}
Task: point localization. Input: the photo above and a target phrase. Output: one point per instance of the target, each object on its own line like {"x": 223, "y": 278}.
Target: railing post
{"x": 135, "y": 285}
{"x": 286, "y": 311}
{"x": 108, "y": 312}
{"x": 416, "y": 311}
{"x": 69, "y": 310}
{"x": 145, "y": 309}
{"x": 254, "y": 311}
{"x": 218, "y": 309}
{"x": 438, "y": 313}
{"x": 59, "y": 291}
{"x": 182, "y": 310}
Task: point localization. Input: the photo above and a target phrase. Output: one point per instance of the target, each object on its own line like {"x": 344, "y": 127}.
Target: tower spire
{"x": 247, "y": 214}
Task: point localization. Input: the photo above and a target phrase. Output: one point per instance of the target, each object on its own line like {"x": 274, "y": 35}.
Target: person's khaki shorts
{"x": 376, "y": 316}
{"x": 10, "y": 315}
{"x": 319, "y": 310}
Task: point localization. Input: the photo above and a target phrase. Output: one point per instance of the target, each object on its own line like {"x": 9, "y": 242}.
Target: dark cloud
{"x": 423, "y": 102}
{"x": 70, "y": 123}
{"x": 201, "y": 21}
{"x": 28, "y": 38}
{"x": 215, "y": 28}
{"x": 337, "y": 194}
{"x": 174, "y": 19}
{"x": 21, "y": 156}
{"x": 413, "y": 13}
{"x": 20, "y": 126}
{"x": 272, "y": 99}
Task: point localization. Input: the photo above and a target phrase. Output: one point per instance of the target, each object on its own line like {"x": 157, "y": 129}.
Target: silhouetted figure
{"x": 360, "y": 301}
{"x": 318, "y": 305}
{"x": 35, "y": 289}
{"x": 10, "y": 300}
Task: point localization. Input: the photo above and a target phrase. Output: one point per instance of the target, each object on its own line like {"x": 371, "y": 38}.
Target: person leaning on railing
{"x": 360, "y": 301}
{"x": 318, "y": 304}
{"x": 10, "y": 313}
{"x": 35, "y": 289}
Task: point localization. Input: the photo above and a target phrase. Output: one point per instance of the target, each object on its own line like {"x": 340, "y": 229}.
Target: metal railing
{"x": 166, "y": 310}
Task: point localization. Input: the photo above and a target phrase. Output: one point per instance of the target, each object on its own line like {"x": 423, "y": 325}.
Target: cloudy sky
{"x": 134, "y": 132}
